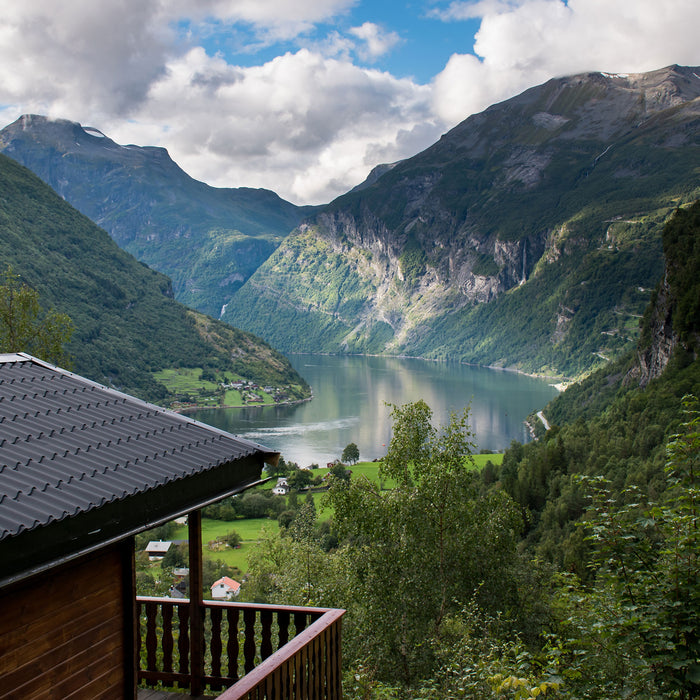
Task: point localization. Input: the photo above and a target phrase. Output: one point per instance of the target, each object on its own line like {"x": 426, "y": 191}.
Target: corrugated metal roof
{"x": 69, "y": 445}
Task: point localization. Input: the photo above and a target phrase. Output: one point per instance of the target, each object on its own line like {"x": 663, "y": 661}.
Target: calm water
{"x": 350, "y": 394}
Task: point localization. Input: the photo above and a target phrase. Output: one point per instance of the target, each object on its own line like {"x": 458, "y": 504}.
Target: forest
{"x": 570, "y": 570}
{"x": 126, "y": 324}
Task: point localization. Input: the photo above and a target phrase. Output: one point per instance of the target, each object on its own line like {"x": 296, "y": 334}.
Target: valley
{"x": 554, "y": 234}
{"x": 352, "y": 399}
{"x": 527, "y": 237}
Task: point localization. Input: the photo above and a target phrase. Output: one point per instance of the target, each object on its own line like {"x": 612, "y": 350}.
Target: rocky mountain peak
{"x": 564, "y": 187}
{"x": 45, "y": 135}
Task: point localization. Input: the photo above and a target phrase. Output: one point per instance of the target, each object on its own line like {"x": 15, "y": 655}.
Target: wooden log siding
{"x": 242, "y": 641}
{"x": 63, "y": 633}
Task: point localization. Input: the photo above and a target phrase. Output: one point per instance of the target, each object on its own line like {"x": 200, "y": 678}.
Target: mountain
{"x": 528, "y": 237}
{"x": 207, "y": 240}
{"x": 616, "y": 423}
{"x": 127, "y": 325}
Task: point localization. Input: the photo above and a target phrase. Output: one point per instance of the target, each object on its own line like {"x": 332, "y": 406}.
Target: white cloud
{"x": 90, "y": 54}
{"x": 377, "y": 42}
{"x": 268, "y": 14}
{"x": 524, "y": 43}
{"x": 310, "y": 123}
{"x": 303, "y": 125}
{"x": 307, "y": 124}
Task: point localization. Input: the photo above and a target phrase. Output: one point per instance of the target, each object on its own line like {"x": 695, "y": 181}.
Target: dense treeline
{"x": 127, "y": 325}
{"x": 609, "y": 425}
{"x": 571, "y": 570}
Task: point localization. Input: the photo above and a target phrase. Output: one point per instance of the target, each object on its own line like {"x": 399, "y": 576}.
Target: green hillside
{"x": 616, "y": 423}
{"x": 127, "y": 324}
{"x": 528, "y": 237}
{"x": 208, "y": 240}
{"x": 568, "y": 570}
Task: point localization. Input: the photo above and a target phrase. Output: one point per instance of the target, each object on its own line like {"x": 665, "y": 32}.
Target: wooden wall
{"x": 65, "y": 634}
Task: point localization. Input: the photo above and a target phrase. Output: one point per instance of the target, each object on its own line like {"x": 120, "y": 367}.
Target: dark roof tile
{"x": 68, "y": 445}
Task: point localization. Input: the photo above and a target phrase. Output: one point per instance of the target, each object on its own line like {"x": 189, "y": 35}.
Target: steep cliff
{"x": 529, "y": 236}
{"x": 672, "y": 320}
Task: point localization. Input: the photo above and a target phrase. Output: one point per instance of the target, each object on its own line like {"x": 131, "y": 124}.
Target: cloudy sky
{"x": 304, "y": 97}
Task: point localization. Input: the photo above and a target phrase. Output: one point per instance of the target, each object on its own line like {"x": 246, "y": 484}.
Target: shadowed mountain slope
{"x": 207, "y": 240}
{"x": 127, "y": 325}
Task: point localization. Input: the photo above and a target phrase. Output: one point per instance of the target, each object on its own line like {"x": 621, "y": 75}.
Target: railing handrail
{"x": 233, "y": 603}
{"x": 293, "y": 646}
{"x": 312, "y": 655}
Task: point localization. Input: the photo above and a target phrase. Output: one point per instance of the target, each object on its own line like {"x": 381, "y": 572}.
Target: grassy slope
{"x": 251, "y": 529}
{"x": 127, "y": 324}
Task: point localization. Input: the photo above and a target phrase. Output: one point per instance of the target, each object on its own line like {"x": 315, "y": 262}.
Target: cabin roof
{"x": 226, "y": 582}
{"x": 70, "y": 447}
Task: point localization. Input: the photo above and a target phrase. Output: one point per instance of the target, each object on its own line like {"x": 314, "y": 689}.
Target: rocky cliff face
{"x": 672, "y": 320}
{"x": 652, "y": 360}
{"x": 541, "y": 215}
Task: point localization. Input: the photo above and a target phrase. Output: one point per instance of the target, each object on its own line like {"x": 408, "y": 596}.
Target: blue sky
{"x": 305, "y": 97}
{"x": 424, "y": 42}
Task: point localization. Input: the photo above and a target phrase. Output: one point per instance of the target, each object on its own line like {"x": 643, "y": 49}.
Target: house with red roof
{"x": 225, "y": 588}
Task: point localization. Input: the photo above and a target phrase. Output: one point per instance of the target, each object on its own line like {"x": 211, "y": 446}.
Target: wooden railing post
{"x": 306, "y": 666}
{"x": 194, "y": 526}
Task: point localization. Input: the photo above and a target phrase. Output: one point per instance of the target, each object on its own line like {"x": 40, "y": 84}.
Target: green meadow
{"x": 251, "y": 529}
{"x": 188, "y": 382}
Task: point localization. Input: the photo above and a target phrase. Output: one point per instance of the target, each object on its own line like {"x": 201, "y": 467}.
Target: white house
{"x": 157, "y": 550}
{"x": 225, "y": 589}
{"x": 281, "y": 488}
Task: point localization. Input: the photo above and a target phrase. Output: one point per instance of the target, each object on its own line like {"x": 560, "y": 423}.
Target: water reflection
{"x": 350, "y": 397}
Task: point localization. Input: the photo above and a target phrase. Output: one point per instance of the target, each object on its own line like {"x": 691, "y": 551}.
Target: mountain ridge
{"x": 527, "y": 237}
{"x": 127, "y": 324}
{"x": 208, "y": 240}
{"x": 502, "y": 215}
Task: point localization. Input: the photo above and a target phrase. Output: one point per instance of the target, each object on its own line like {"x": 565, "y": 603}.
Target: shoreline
{"x": 562, "y": 382}
{"x": 208, "y": 407}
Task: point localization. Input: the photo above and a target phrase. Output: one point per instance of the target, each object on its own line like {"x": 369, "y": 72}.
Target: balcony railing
{"x": 256, "y": 652}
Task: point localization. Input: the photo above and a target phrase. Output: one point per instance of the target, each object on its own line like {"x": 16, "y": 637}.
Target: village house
{"x": 83, "y": 470}
{"x": 281, "y": 488}
{"x": 225, "y": 589}
{"x": 157, "y": 549}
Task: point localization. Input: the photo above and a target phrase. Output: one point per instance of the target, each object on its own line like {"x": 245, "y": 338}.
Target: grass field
{"x": 496, "y": 458}
{"x": 186, "y": 380}
{"x": 251, "y": 529}
{"x": 232, "y": 397}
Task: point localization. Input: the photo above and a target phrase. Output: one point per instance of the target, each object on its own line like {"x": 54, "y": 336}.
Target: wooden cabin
{"x": 83, "y": 469}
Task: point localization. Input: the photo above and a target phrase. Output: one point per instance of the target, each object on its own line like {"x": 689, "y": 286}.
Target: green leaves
{"x": 351, "y": 453}
{"x": 127, "y": 324}
{"x": 649, "y": 562}
{"x": 26, "y": 327}
{"x": 419, "y": 549}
